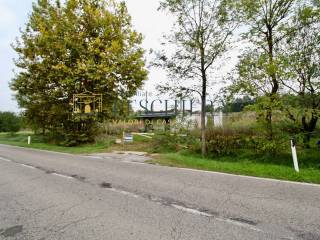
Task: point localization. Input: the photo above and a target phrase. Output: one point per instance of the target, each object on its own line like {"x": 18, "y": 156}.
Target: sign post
{"x": 127, "y": 137}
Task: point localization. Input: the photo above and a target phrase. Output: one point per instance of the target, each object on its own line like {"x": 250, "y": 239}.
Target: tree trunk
{"x": 203, "y": 113}
{"x": 308, "y": 128}
{"x": 203, "y": 103}
{"x": 269, "y": 124}
{"x": 274, "y": 81}
{"x": 273, "y": 75}
{"x": 203, "y": 125}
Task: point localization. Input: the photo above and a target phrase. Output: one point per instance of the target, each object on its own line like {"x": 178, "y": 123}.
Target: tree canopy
{"x": 70, "y": 48}
{"x": 200, "y": 36}
{"x": 301, "y": 57}
{"x": 281, "y": 65}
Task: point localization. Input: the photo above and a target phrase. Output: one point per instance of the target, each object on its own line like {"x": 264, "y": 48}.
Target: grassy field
{"x": 241, "y": 167}
{"x": 37, "y": 142}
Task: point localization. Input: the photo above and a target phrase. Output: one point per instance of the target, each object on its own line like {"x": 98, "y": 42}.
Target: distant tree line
{"x": 10, "y": 122}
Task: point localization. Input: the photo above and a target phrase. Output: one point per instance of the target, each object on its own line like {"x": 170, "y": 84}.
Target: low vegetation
{"x": 274, "y": 87}
{"x": 236, "y": 149}
{"x": 10, "y": 122}
{"x": 41, "y": 142}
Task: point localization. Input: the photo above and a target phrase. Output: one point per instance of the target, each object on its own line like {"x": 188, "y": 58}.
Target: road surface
{"x": 46, "y": 195}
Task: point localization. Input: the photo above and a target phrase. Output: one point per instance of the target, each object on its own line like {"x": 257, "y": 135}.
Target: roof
{"x": 149, "y": 115}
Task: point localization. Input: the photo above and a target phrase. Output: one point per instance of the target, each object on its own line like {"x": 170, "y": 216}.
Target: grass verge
{"x": 242, "y": 165}
{"x": 37, "y": 142}
{"x": 140, "y": 144}
{"x": 248, "y": 168}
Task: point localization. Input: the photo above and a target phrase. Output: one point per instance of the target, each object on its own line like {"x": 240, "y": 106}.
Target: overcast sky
{"x": 14, "y": 13}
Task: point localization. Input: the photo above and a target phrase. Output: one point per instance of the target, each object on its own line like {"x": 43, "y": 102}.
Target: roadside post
{"x": 294, "y": 155}
{"x": 29, "y": 140}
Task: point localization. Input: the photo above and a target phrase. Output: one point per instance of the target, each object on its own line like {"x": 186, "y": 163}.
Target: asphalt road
{"x": 45, "y": 195}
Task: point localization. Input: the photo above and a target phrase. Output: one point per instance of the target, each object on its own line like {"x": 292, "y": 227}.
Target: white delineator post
{"x": 29, "y": 140}
{"x": 294, "y": 155}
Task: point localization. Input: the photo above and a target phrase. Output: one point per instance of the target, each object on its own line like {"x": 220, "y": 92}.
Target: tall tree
{"x": 265, "y": 20}
{"x": 201, "y": 34}
{"x": 78, "y": 46}
{"x": 302, "y": 66}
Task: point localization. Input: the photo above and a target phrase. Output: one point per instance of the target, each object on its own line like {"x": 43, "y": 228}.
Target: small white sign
{"x": 127, "y": 137}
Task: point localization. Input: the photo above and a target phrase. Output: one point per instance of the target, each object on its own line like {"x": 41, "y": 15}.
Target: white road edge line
{"x": 190, "y": 210}
{"x": 4, "y": 159}
{"x": 132, "y": 162}
{"x": 123, "y": 192}
{"x": 194, "y": 211}
{"x": 27, "y": 166}
{"x": 94, "y": 157}
{"x": 243, "y": 225}
{"x": 197, "y": 212}
{"x": 60, "y": 175}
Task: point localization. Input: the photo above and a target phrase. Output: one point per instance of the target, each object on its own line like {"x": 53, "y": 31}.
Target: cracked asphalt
{"x": 46, "y": 195}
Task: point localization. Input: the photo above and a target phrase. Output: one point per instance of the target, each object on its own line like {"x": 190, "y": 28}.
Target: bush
{"x": 174, "y": 142}
{"x": 78, "y": 133}
{"x": 9, "y": 122}
{"x": 269, "y": 147}
{"x": 117, "y": 127}
{"x": 227, "y": 141}
{"x": 166, "y": 142}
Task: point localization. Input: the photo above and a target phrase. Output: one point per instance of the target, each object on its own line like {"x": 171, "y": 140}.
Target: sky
{"x": 13, "y": 16}
{"x": 146, "y": 19}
